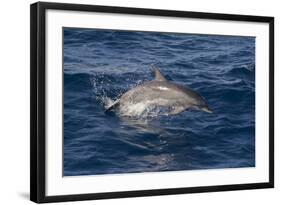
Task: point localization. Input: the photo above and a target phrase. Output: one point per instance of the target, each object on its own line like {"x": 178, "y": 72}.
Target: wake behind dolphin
{"x": 160, "y": 95}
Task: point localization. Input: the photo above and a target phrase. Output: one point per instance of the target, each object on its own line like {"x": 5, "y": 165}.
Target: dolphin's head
{"x": 193, "y": 100}
{"x": 187, "y": 97}
{"x": 202, "y": 105}
{"x": 206, "y": 109}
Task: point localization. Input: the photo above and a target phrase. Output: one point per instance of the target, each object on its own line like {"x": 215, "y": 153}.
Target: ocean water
{"x": 100, "y": 65}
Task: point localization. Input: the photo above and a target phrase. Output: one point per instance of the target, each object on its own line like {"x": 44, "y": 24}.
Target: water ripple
{"x": 100, "y": 65}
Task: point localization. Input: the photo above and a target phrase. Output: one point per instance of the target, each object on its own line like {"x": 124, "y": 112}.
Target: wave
{"x": 244, "y": 69}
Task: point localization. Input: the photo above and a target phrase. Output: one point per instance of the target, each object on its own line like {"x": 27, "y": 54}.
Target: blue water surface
{"x": 102, "y": 64}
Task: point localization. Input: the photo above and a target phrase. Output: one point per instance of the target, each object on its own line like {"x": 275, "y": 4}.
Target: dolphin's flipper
{"x": 158, "y": 75}
{"x": 114, "y": 105}
{"x": 176, "y": 110}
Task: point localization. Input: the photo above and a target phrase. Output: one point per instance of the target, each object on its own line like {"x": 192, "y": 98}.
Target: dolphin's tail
{"x": 112, "y": 106}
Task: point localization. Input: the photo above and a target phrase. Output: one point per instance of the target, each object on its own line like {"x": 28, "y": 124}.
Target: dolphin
{"x": 159, "y": 93}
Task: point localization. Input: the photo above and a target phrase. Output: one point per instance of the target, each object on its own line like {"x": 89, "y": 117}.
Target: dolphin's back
{"x": 149, "y": 91}
{"x": 163, "y": 93}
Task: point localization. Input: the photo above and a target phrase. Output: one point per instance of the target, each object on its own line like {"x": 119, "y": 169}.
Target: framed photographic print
{"x": 129, "y": 102}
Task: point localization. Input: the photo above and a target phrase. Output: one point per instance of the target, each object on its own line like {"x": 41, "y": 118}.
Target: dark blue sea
{"x": 100, "y": 65}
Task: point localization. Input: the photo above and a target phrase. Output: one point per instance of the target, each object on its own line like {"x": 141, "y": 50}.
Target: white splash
{"x": 107, "y": 101}
{"x": 144, "y": 109}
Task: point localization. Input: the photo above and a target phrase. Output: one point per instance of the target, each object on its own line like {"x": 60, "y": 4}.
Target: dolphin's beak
{"x": 206, "y": 109}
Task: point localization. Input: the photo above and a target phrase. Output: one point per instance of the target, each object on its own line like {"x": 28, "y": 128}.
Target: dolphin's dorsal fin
{"x": 158, "y": 75}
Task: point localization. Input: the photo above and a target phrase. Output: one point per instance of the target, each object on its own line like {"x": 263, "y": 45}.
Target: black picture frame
{"x": 38, "y": 101}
